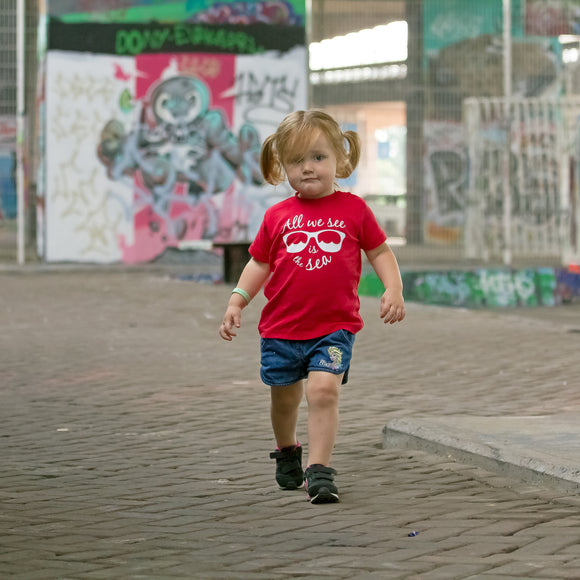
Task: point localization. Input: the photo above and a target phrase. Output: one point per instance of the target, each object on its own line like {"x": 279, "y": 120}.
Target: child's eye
{"x": 319, "y": 157}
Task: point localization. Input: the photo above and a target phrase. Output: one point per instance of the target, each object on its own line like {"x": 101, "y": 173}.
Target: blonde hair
{"x": 296, "y": 133}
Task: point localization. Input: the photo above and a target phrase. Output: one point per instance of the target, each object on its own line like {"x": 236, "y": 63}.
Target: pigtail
{"x": 352, "y": 156}
{"x": 270, "y": 165}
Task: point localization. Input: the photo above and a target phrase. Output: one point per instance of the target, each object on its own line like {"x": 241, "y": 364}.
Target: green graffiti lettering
{"x": 136, "y": 41}
{"x": 146, "y": 36}
{"x": 220, "y": 38}
{"x": 197, "y": 35}
{"x": 120, "y": 42}
{"x": 223, "y": 39}
{"x": 158, "y": 38}
{"x": 132, "y": 42}
{"x": 239, "y": 41}
{"x": 245, "y": 43}
{"x": 208, "y": 37}
{"x": 180, "y": 35}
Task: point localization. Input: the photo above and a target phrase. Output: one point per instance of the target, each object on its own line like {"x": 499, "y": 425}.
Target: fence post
{"x": 20, "y": 110}
{"x": 507, "y": 89}
{"x": 415, "y": 119}
{"x": 473, "y": 235}
{"x": 507, "y": 186}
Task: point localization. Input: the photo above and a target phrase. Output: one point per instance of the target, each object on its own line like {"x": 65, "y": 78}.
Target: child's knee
{"x": 324, "y": 392}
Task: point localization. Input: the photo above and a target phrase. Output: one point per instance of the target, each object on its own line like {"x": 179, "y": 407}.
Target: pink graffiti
{"x": 270, "y": 12}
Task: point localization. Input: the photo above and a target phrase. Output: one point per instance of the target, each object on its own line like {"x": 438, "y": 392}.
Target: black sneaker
{"x": 289, "y": 474}
{"x": 320, "y": 484}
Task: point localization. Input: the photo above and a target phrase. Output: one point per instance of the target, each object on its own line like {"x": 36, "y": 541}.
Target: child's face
{"x": 313, "y": 175}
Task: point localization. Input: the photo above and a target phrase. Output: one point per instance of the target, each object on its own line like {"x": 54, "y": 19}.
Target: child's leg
{"x": 284, "y": 413}
{"x": 322, "y": 392}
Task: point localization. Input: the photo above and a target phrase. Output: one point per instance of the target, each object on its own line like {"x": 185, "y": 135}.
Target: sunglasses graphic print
{"x": 329, "y": 241}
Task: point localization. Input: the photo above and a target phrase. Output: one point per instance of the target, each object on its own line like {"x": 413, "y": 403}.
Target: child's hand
{"x": 392, "y": 307}
{"x": 232, "y": 319}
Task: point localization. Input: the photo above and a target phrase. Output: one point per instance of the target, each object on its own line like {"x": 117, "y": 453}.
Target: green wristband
{"x": 242, "y": 293}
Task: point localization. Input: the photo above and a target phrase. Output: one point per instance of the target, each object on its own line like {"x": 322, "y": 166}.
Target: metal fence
{"x": 7, "y": 57}
{"x": 491, "y": 182}
{"x": 8, "y": 124}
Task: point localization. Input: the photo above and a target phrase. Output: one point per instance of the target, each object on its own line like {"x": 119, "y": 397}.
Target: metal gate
{"x": 522, "y": 200}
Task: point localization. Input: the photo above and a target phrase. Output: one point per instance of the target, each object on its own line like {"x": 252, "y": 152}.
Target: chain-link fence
{"x": 522, "y": 191}
{"x": 8, "y": 125}
{"x": 8, "y": 205}
{"x": 460, "y": 204}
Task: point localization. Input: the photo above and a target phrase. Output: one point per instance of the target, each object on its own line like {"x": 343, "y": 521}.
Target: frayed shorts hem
{"x": 304, "y": 377}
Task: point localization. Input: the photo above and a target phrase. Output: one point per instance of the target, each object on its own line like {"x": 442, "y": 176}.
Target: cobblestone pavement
{"x": 134, "y": 442}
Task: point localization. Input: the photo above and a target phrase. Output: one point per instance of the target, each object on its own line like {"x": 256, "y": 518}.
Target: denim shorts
{"x": 285, "y": 362}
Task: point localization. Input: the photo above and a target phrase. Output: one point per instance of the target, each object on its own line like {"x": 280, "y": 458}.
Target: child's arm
{"x": 385, "y": 265}
{"x": 253, "y": 277}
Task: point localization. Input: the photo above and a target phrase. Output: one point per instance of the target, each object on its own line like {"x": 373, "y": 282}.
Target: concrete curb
{"x": 537, "y": 450}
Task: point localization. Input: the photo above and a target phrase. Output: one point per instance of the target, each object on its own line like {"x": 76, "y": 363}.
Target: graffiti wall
{"x": 446, "y": 180}
{"x": 153, "y": 129}
{"x": 552, "y": 17}
{"x": 464, "y": 58}
{"x": 7, "y": 168}
{"x": 484, "y": 287}
{"x": 464, "y": 55}
{"x": 523, "y": 182}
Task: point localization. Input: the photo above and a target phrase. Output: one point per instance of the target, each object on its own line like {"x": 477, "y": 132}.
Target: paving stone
{"x": 135, "y": 442}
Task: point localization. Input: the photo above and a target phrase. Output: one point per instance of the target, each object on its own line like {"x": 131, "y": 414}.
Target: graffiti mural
{"x": 181, "y": 150}
{"x": 446, "y": 180}
{"x": 271, "y": 12}
{"x": 522, "y": 178}
{"x": 481, "y": 288}
{"x": 552, "y": 17}
{"x": 8, "y": 203}
{"x": 568, "y": 283}
{"x": 464, "y": 59}
{"x": 283, "y": 12}
{"x": 464, "y": 55}
{"x": 147, "y": 149}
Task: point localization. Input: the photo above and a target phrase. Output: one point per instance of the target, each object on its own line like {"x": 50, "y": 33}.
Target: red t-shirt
{"x": 313, "y": 248}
